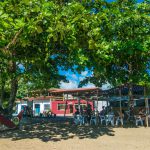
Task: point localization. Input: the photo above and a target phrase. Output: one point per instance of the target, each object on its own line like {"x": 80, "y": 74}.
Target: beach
{"x": 63, "y": 136}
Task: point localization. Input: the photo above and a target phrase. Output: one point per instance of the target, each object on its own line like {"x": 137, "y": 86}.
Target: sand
{"x": 53, "y": 136}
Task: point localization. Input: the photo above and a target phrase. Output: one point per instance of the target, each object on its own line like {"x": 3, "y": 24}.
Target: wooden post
{"x": 97, "y": 102}
{"x": 131, "y": 103}
{"x": 107, "y": 103}
{"x": 78, "y": 101}
{"x": 146, "y": 106}
{"x": 120, "y": 95}
{"x": 97, "y": 109}
{"x": 65, "y": 105}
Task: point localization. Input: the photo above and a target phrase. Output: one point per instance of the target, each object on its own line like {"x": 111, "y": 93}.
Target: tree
{"x": 120, "y": 44}
{"x": 40, "y": 36}
{"x": 43, "y": 35}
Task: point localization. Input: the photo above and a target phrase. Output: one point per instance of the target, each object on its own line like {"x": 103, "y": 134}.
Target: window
{"x": 140, "y": 103}
{"x": 23, "y": 107}
{"x": 117, "y": 103}
{"x": 46, "y": 107}
{"x": 61, "y": 106}
{"x": 81, "y": 105}
{"x": 125, "y": 104}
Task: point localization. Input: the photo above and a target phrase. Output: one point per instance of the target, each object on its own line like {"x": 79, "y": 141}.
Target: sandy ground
{"x": 53, "y": 136}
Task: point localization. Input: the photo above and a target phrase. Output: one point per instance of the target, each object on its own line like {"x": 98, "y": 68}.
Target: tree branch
{"x": 14, "y": 40}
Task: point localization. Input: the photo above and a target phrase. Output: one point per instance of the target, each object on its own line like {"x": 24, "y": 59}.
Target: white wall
{"x": 19, "y": 106}
{"x": 100, "y": 104}
{"x": 41, "y": 102}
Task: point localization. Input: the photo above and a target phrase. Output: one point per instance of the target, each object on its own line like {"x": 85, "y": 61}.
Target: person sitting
{"x": 77, "y": 112}
{"x": 93, "y": 119}
{"x": 77, "y": 117}
{"x": 142, "y": 113}
{"x": 140, "y": 117}
{"x": 102, "y": 112}
{"x": 85, "y": 116}
{"x": 49, "y": 113}
{"x": 89, "y": 113}
{"x": 110, "y": 117}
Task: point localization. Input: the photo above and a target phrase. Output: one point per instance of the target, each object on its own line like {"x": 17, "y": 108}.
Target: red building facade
{"x": 68, "y": 106}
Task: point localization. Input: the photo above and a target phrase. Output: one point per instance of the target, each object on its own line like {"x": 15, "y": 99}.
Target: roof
{"x": 85, "y": 93}
{"x": 124, "y": 90}
{"x": 74, "y": 90}
{"x": 38, "y": 98}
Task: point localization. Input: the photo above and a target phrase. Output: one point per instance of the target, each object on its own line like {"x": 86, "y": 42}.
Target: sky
{"x": 74, "y": 78}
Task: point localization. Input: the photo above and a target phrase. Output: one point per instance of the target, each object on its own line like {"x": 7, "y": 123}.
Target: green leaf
{"x": 39, "y": 29}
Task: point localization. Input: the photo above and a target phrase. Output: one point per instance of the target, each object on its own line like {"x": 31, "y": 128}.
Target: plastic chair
{"x": 138, "y": 120}
{"x": 78, "y": 119}
{"x": 102, "y": 119}
{"x": 110, "y": 119}
{"x": 93, "y": 120}
{"x": 119, "y": 120}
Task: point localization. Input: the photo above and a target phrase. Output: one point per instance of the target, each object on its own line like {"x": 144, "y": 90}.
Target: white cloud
{"x": 84, "y": 73}
{"x": 106, "y": 86}
{"x": 81, "y": 78}
{"x": 74, "y": 76}
{"x": 74, "y": 84}
{"x": 71, "y": 85}
{"x": 89, "y": 85}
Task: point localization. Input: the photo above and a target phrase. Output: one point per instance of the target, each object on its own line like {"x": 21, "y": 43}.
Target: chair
{"x": 110, "y": 119}
{"x": 78, "y": 119}
{"x": 102, "y": 119}
{"x": 93, "y": 120}
{"x": 119, "y": 120}
{"x": 138, "y": 120}
{"x": 82, "y": 119}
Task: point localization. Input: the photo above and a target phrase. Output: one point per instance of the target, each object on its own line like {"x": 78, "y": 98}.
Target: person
{"x": 111, "y": 112}
{"x": 110, "y": 117}
{"x": 131, "y": 115}
{"x": 77, "y": 112}
{"x": 102, "y": 112}
{"x": 142, "y": 114}
{"x": 85, "y": 115}
{"x": 81, "y": 110}
{"x": 131, "y": 110}
{"x": 89, "y": 111}
{"x": 77, "y": 117}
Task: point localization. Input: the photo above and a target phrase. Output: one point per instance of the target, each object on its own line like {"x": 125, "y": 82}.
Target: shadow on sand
{"x": 57, "y": 131}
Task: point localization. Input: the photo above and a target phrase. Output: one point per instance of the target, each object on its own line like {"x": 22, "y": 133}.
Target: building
{"x": 62, "y": 101}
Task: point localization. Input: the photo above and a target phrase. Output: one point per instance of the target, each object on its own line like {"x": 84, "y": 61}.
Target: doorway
{"x": 71, "y": 109}
{"x": 37, "y": 109}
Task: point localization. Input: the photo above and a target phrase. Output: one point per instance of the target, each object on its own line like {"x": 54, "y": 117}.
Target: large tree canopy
{"x": 119, "y": 45}
{"x": 39, "y": 36}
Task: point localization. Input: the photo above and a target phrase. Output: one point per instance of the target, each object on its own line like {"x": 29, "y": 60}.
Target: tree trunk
{"x": 14, "y": 87}
{"x": 2, "y": 93}
{"x": 13, "y": 83}
{"x": 12, "y": 69}
{"x": 131, "y": 103}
